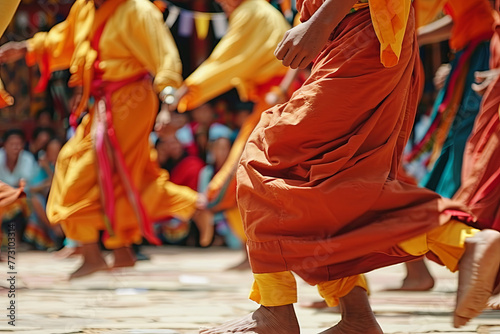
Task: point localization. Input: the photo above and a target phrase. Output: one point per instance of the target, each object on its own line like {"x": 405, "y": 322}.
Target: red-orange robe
{"x": 480, "y": 188}
{"x": 317, "y": 183}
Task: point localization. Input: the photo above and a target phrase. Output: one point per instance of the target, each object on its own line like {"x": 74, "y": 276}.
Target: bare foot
{"x": 478, "y": 269}
{"x": 67, "y": 252}
{"x": 418, "y": 277}
{"x": 266, "y": 320}
{"x": 357, "y": 315}
{"x": 494, "y": 302}
{"x": 123, "y": 257}
{"x": 92, "y": 261}
{"x": 204, "y": 220}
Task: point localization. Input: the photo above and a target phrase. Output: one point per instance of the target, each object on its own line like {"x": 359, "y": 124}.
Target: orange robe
{"x": 134, "y": 41}
{"x": 244, "y": 58}
{"x": 317, "y": 183}
{"x": 480, "y": 188}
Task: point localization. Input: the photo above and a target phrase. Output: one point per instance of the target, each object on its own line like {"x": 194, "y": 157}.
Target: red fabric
{"x": 187, "y": 171}
{"x": 480, "y": 188}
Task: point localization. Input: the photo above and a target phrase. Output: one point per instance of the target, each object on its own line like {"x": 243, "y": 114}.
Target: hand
{"x": 302, "y": 44}
{"x": 8, "y": 194}
{"x": 76, "y": 98}
{"x": 441, "y": 75}
{"x": 201, "y": 202}
{"x": 13, "y": 51}
{"x": 163, "y": 125}
{"x": 484, "y": 79}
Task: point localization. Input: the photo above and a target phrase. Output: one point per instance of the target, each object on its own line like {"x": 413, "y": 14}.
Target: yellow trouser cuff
{"x": 332, "y": 291}
{"x": 274, "y": 289}
{"x": 446, "y": 242}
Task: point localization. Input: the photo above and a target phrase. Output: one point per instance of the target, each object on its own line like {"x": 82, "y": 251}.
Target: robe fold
{"x": 318, "y": 184}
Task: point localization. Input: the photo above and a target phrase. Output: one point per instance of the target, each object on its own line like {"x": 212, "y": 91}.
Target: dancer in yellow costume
{"x": 105, "y": 178}
{"x": 318, "y": 184}
{"x": 243, "y": 59}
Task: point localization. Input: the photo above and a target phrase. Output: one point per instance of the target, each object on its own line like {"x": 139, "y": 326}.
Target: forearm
{"x": 331, "y": 13}
{"x": 436, "y": 31}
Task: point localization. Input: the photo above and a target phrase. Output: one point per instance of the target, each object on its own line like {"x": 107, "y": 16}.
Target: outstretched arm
{"x": 435, "y": 32}
{"x": 301, "y": 44}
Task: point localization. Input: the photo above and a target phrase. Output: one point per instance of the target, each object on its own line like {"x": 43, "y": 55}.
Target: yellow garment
{"x": 7, "y": 10}
{"x": 134, "y": 27}
{"x": 446, "y": 242}
{"x": 244, "y": 57}
{"x": 389, "y": 18}
{"x": 333, "y": 290}
{"x": 134, "y": 41}
{"x": 427, "y": 10}
{"x": 274, "y": 289}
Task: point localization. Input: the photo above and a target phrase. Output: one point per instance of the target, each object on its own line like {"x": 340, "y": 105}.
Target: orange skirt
{"x": 318, "y": 188}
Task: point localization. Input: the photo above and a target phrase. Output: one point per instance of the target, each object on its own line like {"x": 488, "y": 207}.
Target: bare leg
{"x": 204, "y": 220}
{"x": 494, "y": 302}
{"x": 418, "y": 277}
{"x": 266, "y": 320}
{"x": 123, "y": 257}
{"x": 478, "y": 269}
{"x": 357, "y": 315}
{"x": 92, "y": 261}
{"x": 244, "y": 264}
{"x": 321, "y": 305}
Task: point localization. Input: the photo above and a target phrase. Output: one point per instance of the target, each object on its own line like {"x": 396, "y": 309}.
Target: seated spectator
{"x": 219, "y": 147}
{"x": 39, "y": 140}
{"x": 16, "y": 165}
{"x": 40, "y": 232}
{"x": 184, "y": 169}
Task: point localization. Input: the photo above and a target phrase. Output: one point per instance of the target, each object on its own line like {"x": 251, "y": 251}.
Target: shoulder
{"x": 140, "y": 8}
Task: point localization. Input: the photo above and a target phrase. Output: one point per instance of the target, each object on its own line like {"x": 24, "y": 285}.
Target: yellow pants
{"x": 446, "y": 242}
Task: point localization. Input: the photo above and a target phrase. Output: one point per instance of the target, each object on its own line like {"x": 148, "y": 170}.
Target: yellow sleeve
{"x": 152, "y": 44}
{"x": 7, "y": 10}
{"x": 426, "y": 11}
{"x": 389, "y": 18}
{"x": 239, "y": 58}
{"x": 54, "y": 49}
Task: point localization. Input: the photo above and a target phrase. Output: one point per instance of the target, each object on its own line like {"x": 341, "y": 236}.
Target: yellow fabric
{"x": 244, "y": 57}
{"x": 331, "y": 291}
{"x": 274, "y": 289}
{"x": 390, "y": 18}
{"x": 445, "y": 241}
{"x": 233, "y": 217}
{"x": 7, "y": 10}
{"x": 122, "y": 56}
{"x": 427, "y": 10}
{"x": 74, "y": 199}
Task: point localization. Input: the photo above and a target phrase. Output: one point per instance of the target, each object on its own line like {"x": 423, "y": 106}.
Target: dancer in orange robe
{"x": 317, "y": 183}
{"x": 112, "y": 48}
